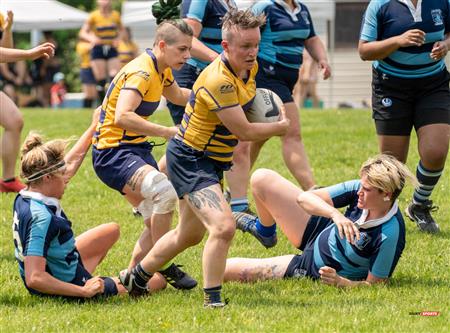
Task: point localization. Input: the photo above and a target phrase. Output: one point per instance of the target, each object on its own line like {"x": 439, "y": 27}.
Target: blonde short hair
{"x": 39, "y": 159}
{"x": 387, "y": 174}
{"x": 167, "y": 31}
{"x": 240, "y": 19}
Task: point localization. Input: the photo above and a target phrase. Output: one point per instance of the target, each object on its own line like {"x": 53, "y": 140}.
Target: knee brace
{"x": 159, "y": 195}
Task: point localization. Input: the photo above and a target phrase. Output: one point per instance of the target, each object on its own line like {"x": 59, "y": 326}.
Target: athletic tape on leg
{"x": 158, "y": 192}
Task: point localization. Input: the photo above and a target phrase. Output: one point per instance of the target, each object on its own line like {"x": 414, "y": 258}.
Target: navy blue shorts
{"x": 115, "y": 166}
{"x": 185, "y": 78}
{"x": 280, "y": 79}
{"x": 400, "y": 104}
{"x": 87, "y": 76}
{"x": 191, "y": 170}
{"x": 104, "y": 52}
{"x": 303, "y": 264}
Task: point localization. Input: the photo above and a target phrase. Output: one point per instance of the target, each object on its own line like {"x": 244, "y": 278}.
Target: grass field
{"x": 337, "y": 143}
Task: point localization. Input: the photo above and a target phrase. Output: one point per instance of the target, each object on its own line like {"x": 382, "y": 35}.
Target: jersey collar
{"x": 292, "y": 13}
{"x": 155, "y": 62}
{"x": 416, "y": 12}
{"x": 48, "y": 201}
{"x": 363, "y": 224}
{"x": 227, "y": 65}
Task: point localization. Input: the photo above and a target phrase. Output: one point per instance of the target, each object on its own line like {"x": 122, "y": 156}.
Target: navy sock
{"x": 212, "y": 295}
{"x": 427, "y": 181}
{"x": 265, "y": 231}
{"x": 141, "y": 276}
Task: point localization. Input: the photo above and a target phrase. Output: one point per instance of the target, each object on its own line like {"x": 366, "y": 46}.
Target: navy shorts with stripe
{"x": 87, "y": 76}
{"x": 115, "y": 166}
{"x": 104, "y": 52}
{"x": 191, "y": 170}
{"x": 400, "y": 104}
{"x": 303, "y": 264}
{"x": 280, "y": 79}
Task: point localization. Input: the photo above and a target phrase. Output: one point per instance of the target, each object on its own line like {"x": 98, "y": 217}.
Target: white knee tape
{"x": 157, "y": 189}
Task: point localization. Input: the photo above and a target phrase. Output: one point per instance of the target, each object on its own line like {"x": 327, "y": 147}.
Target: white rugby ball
{"x": 266, "y": 107}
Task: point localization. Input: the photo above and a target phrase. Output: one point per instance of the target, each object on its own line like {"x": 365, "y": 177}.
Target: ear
{"x": 387, "y": 196}
{"x": 162, "y": 44}
{"x": 225, "y": 45}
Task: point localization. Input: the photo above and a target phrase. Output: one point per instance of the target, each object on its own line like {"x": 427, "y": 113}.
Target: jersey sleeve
{"x": 369, "y": 27}
{"x": 260, "y": 7}
{"x": 41, "y": 233}
{"x": 138, "y": 81}
{"x": 307, "y": 17}
{"x": 219, "y": 95}
{"x": 194, "y": 9}
{"x": 91, "y": 19}
{"x": 343, "y": 194}
{"x": 384, "y": 261}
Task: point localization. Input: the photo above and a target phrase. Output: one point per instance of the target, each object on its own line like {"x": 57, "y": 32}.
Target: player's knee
{"x": 434, "y": 158}
{"x": 260, "y": 179}
{"x": 159, "y": 195}
{"x": 224, "y": 230}
{"x": 113, "y": 231}
{"x": 188, "y": 239}
{"x": 292, "y": 135}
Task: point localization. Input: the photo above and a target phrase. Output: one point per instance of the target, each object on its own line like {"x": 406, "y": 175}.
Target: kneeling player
{"x": 122, "y": 156}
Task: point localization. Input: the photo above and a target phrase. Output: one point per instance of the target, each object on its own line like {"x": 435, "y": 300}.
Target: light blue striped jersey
{"x": 379, "y": 248}
{"x": 284, "y": 34}
{"x": 40, "y": 228}
{"x": 209, "y": 13}
{"x": 384, "y": 19}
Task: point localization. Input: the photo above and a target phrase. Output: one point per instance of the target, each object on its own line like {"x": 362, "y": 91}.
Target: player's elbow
{"x": 34, "y": 280}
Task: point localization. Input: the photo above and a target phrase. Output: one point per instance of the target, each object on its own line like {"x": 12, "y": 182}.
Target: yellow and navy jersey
{"x": 105, "y": 27}
{"x": 126, "y": 52}
{"x": 83, "y": 50}
{"x": 141, "y": 75}
{"x": 216, "y": 89}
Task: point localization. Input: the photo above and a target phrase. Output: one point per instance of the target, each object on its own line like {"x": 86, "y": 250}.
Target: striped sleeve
{"x": 38, "y": 242}
{"x": 343, "y": 194}
{"x": 194, "y": 9}
{"x": 369, "y": 28}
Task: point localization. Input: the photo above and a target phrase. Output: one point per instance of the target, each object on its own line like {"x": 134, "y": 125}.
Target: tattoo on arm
{"x": 205, "y": 197}
{"x": 136, "y": 178}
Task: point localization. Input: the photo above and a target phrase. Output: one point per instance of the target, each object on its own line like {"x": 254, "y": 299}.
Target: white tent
{"x": 43, "y": 15}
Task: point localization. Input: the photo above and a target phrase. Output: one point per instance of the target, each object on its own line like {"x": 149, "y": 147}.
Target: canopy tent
{"x": 43, "y": 15}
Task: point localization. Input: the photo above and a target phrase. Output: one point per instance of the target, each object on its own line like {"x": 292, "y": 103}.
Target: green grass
{"x": 337, "y": 143}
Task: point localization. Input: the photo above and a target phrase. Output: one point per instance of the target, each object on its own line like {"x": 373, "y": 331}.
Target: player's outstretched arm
{"x": 200, "y": 50}
{"x": 46, "y": 50}
{"x": 317, "y": 50}
{"x": 329, "y": 276}
{"x": 127, "y": 119}
{"x": 76, "y": 155}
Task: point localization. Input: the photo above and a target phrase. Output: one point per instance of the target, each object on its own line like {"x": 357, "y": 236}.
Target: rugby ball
{"x": 266, "y": 107}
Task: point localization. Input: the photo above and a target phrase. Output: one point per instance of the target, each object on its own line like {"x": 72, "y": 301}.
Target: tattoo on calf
{"x": 260, "y": 273}
{"x": 205, "y": 197}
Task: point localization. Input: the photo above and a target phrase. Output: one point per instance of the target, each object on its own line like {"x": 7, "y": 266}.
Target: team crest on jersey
{"x": 364, "y": 239}
{"x": 387, "y": 102}
{"x": 436, "y": 14}
{"x": 226, "y": 89}
{"x": 143, "y": 74}
{"x": 305, "y": 17}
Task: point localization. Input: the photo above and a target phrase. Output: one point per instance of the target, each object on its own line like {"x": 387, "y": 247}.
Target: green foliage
{"x": 337, "y": 143}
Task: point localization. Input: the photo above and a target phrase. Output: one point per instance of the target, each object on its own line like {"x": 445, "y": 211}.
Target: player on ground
{"x": 122, "y": 156}
{"x": 408, "y": 41}
{"x": 51, "y": 261}
{"x": 361, "y": 246}
{"x": 202, "y": 149}
{"x": 288, "y": 31}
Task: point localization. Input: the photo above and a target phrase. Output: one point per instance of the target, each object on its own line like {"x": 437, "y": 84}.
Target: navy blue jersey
{"x": 209, "y": 13}
{"x": 388, "y": 18}
{"x": 40, "y": 228}
{"x": 284, "y": 34}
{"x": 379, "y": 248}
